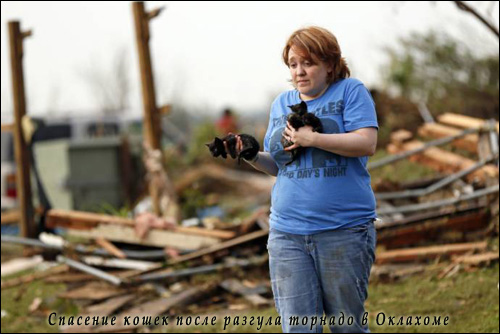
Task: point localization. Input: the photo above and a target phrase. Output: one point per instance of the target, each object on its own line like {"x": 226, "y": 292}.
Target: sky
{"x": 206, "y": 55}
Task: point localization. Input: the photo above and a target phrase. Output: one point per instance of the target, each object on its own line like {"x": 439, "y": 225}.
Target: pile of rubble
{"x": 177, "y": 269}
{"x": 447, "y": 217}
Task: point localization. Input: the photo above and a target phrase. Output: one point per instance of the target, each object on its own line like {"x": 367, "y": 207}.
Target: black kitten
{"x": 297, "y": 119}
{"x": 250, "y": 147}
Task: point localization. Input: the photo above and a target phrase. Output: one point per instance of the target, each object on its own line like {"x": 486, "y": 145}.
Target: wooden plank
{"x": 160, "y": 238}
{"x": 112, "y": 249}
{"x": 462, "y": 121}
{"x": 109, "y": 306}
{"x": 436, "y": 131}
{"x": 87, "y": 220}
{"x": 477, "y": 259}
{"x": 235, "y": 287}
{"x": 7, "y": 127}
{"x": 120, "y": 263}
{"x": 428, "y": 253}
{"x": 17, "y": 265}
{"x": 93, "y": 291}
{"x": 33, "y": 277}
{"x": 81, "y": 277}
{"x": 400, "y": 136}
{"x": 99, "y": 310}
{"x": 442, "y": 160}
{"x": 156, "y": 307}
{"x": 224, "y": 245}
{"x": 394, "y": 272}
{"x": 11, "y": 217}
{"x": 430, "y": 230}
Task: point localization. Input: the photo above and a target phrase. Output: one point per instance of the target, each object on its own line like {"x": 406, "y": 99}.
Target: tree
{"x": 436, "y": 69}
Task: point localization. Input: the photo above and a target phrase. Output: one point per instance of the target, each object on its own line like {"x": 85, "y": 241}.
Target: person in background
{"x": 227, "y": 122}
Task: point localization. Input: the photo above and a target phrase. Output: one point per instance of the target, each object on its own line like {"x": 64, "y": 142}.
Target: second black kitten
{"x": 298, "y": 118}
{"x": 250, "y": 148}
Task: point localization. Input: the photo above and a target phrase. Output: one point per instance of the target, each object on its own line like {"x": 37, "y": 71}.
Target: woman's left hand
{"x": 303, "y": 137}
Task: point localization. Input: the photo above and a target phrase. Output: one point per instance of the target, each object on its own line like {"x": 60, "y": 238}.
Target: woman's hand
{"x": 239, "y": 144}
{"x": 303, "y": 137}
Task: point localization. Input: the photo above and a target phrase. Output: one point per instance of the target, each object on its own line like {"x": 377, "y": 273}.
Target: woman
{"x": 322, "y": 237}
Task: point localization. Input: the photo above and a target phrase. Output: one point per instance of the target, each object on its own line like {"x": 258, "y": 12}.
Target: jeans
{"x": 322, "y": 273}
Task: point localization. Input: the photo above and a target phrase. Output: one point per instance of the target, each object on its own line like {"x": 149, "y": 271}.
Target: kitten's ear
{"x": 303, "y": 106}
{"x": 207, "y": 145}
{"x": 218, "y": 140}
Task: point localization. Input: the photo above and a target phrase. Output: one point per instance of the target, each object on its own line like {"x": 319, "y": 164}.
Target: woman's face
{"x": 309, "y": 78}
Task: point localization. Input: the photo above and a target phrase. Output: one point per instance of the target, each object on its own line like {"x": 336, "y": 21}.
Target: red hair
{"x": 319, "y": 43}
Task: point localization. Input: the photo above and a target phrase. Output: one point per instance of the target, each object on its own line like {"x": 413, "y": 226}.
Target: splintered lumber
{"x": 93, "y": 291}
{"x": 428, "y": 253}
{"x": 80, "y": 277}
{"x": 381, "y": 225}
{"x": 477, "y": 259}
{"x": 109, "y": 306}
{"x": 87, "y": 220}
{"x": 33, "y": 277}
{"x": 99, "y": 310}
{"x": 11, "y": 217}
{"x": 17, "y": 265}
{"x": 442, "y": 160}
{"x": 430, "y": 230}
{"x": 224, "y": 245}
{"x": 156, "y": 307}
{"x": 435, "y": 130}
{"x": 462, "y": 121}
{"x": 236, "y": 287}
{"x": 156, "y": 238}
{"x": 120, "y": 263}
{"x": 112, "y": 249}
{"x": 393, "y": 272}
{"x": 401, "y": 136}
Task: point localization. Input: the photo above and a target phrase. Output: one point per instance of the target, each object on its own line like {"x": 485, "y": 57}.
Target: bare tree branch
{"x": 463, "y": 6}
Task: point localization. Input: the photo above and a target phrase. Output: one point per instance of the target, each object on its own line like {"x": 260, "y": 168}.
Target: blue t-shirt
{"x": 321, "y": 190}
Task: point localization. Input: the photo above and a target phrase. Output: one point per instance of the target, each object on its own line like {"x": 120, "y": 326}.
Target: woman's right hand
{"x": 239, "y": 144}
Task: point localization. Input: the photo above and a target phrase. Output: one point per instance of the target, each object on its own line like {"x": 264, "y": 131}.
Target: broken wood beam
{"x": 112, "y": 249}
{"x": 87, "y": 220}
{"x": 445, "y": 161}
{"x": 99, "y": 310}
{"x": 20, "y": 264}
{"x": 441, "y": 203}
{"x": 155, "y": 238}
{"x": 400, "y": 155}
{"x": 94, "y": 291}
{"x": 419, "y": 217}
{"x": 157, "y": 307}
{"x": 224, "y": 245}
{"x": 431, "y": 230}
{"x": 33, "y": 277}
{"x": 235, "y": 287}
{"x": 462, "y": 121}
{"x": 73, "y": 277}
{"x": 435, "y": 130}
{"x": 428, "y": 253}
{"x": 477, "y": 259}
